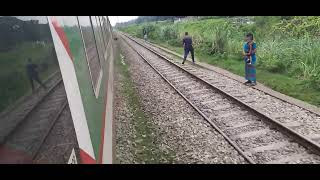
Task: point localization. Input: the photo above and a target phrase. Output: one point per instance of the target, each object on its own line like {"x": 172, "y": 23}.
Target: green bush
{"x": 299, "y": 26}
{"x": 169, "y": 33}
{"x": 220, "y": 40}
{"x": 314, "y": 81}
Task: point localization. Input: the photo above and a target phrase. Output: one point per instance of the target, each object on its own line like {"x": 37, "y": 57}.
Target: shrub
{"x": 220, "y": 39}
{"x": 168, "y": 33}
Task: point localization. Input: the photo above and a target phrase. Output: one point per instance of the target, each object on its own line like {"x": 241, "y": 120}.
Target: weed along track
{"x": 259, "y": 137}
{"x": 136, "y": 142}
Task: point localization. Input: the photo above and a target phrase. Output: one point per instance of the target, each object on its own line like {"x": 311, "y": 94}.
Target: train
{"x": 56, "y": 103}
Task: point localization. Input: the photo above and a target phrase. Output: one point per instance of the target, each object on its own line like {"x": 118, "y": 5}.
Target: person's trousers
{"x": 250, "y": 71}
{"x": 186, "y": 52}
{"x": 35, "y": 78}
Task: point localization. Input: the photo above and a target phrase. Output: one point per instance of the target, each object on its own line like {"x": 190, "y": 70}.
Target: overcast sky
{"x": 116, "y": 19}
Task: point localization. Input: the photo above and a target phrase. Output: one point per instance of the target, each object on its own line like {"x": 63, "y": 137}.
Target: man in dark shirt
{"x": 144, "y": 31}
{"x": 145, "y": 34}
{"x": 33, "y": 74}
{"x": 187, "y": 44}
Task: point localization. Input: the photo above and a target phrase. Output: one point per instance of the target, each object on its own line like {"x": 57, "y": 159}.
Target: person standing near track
{"x": 33, "y": 74}
{"x": 187, "y": 45}
{"x": 145, "y": 36}
{"x": 249, "y": 53}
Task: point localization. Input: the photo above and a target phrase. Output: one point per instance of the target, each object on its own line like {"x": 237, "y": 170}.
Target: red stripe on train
{"x": 86, "y": 158}
{"x": 62, "y": 36}
{"x": 103, "y": 124}
{"x": 102, "y": 136}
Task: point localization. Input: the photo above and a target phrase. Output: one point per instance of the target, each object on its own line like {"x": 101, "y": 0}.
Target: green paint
{"x": 94, "y": 107}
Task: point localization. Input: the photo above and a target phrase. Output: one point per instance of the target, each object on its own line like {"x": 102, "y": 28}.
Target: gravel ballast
{"x": 179, "y": 127}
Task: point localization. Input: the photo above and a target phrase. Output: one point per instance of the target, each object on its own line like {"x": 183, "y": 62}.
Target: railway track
{"x": 12, "y": 118}
{"x": 259, "y": 138}
{"x": 297, "y": 115}
{"x": 31, "y": 127}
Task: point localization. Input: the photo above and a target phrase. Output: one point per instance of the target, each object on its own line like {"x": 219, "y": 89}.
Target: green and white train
{"x": 56, "y": 93}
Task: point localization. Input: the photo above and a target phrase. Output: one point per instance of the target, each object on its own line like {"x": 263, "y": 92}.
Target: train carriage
{"x": 56, "y": 89}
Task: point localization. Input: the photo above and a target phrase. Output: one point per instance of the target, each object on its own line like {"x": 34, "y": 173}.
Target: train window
{"x": 109, "y": 26}
{"x": 31, "y": 92}
{"x": 91, "y": 50}
{"x": 97, "y": 37}
{"x": 104, "y": 30}
{"x": 103, "y": 33}
{"x": 24, "y": 40}
{"x": 105, "y": 27}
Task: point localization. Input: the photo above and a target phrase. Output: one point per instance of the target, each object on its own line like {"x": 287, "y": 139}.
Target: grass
{"x": 146, "y": 149}
{"x": 280, "y": 82}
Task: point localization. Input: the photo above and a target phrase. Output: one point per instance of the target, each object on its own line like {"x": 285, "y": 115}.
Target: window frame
{"x": 105, "y": 25}
{"x": 96, "y": 89}
{"x": 103, "y": 33}
{"x": 97, "y": 35}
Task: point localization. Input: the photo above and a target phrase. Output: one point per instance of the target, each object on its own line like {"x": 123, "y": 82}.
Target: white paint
{"x": 73, "y": 94}
{"x": 73, "y": 158}
{"x": 97, "y": 89}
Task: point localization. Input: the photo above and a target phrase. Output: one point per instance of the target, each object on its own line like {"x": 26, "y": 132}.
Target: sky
{"x": 115, "y": 19}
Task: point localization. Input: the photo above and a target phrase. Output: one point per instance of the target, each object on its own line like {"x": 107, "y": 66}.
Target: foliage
{"x": 299, "y": 26}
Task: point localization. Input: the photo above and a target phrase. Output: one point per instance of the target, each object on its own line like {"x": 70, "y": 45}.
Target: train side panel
{"x": 66, "y": 61}
{"x": 87, "y": 69}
